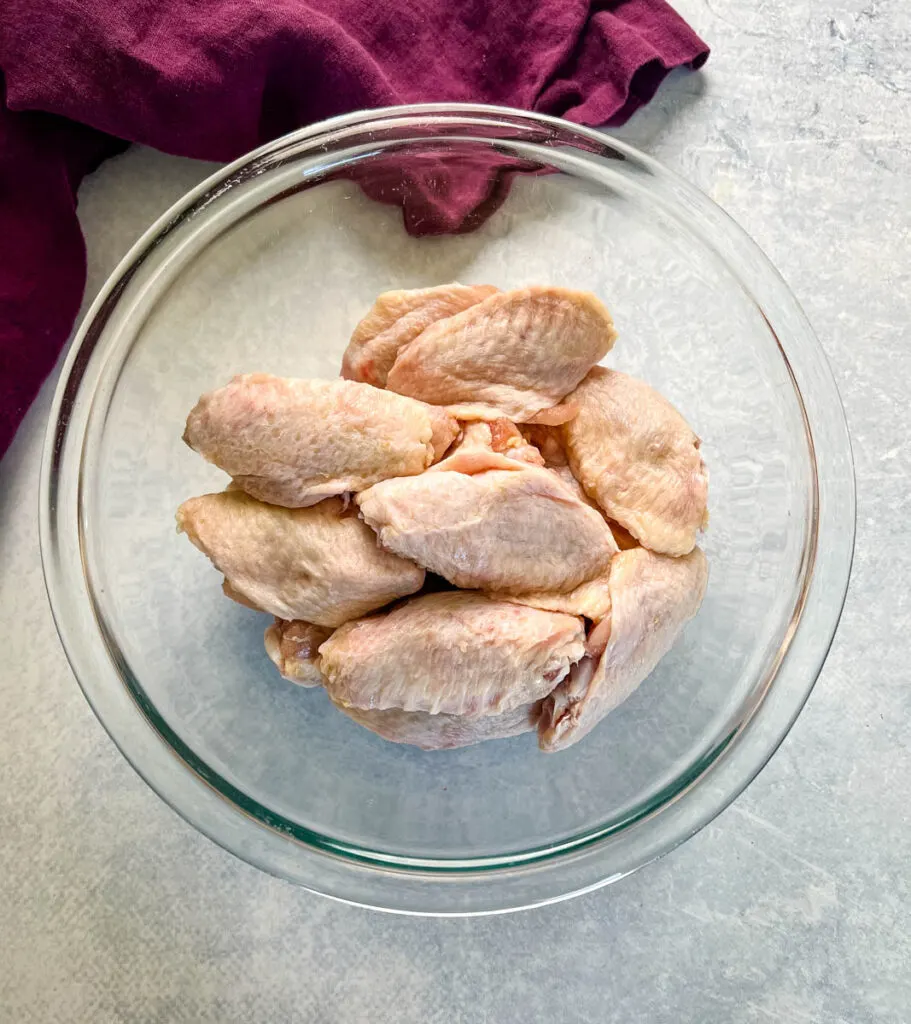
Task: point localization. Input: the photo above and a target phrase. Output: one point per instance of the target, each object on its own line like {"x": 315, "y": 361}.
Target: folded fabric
{"x": 214, "y": 78}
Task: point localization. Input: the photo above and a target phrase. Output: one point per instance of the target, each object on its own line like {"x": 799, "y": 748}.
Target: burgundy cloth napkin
{"x": 80, "y": 79}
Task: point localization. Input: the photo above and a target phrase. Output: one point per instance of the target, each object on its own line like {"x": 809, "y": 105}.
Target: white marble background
{"x": 792, "y": 907}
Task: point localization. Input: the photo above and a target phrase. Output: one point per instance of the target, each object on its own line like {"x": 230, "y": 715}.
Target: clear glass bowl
{"x": 267, "y": 266}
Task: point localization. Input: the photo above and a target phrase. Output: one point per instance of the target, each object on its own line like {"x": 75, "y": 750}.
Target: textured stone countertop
{"x": 794, "y": 906}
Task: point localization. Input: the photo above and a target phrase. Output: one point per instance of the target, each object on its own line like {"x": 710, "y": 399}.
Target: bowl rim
{"x": 478, "y": 885}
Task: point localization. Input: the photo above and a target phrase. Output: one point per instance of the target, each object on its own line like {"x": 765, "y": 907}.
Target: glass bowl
{"x": 267, "y": 266}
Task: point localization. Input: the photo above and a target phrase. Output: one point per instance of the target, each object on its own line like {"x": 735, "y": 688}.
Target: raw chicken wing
{"x": 294, "y": 442}
{"x": 652, "y": 598}
{"x": 635, "y": 454}
{"x": 513, "y": 355}
{"x": 398, "y": 318}
{"x": 454, "y": 653}
{"x": 315, "y": 563}
{"x": 516, "y": 528}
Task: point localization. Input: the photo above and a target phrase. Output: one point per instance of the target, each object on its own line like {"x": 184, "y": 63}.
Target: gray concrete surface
{"x": 792, "y": 907}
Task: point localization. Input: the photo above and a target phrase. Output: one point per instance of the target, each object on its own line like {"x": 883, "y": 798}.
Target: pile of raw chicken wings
{"x": 476, "y": 531}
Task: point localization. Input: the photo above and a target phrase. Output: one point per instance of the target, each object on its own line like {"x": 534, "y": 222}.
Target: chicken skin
{"x": 444, "y": 732}
{"x": 318, "y": 564}
{"x": 516, "y": 354}
{"x": 590, "y": 599}
{"x": 515, "y": 528}
{"x": 294, "y": 442}
{"x": 453, "y": 653}
{"x": 396, "y": 319}
{"x": 652, "y": 598}
{"x": 637, "y": 457}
